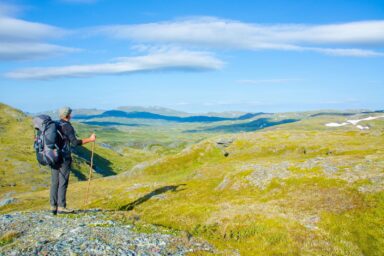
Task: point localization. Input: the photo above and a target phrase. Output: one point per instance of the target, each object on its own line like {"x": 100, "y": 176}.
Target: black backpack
{"x": 47, "y": 140}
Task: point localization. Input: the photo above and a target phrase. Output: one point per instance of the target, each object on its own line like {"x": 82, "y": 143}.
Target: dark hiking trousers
{"x": 59, "y": 183}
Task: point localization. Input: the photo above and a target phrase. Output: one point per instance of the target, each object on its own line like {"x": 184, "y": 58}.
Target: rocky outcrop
{"x": 85, "y": 233}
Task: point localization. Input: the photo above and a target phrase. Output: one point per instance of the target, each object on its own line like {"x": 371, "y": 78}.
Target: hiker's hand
{"x": 93, "y": 137}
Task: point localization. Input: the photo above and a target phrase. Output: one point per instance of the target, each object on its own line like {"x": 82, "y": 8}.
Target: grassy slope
{"x": 293, "y": 189}
{"x": 155, "y": 139}
{"x": 19, "y": 170}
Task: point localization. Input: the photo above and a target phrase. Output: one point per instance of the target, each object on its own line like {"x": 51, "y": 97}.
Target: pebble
{"x": 88, "y": 234}
{"x": 7, "y": 201}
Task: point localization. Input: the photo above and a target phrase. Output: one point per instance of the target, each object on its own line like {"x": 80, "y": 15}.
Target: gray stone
{"x": 89, "y": 233}
{"x": 7, "y": 201}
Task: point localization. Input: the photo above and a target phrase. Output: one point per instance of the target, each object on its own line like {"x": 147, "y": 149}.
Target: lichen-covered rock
{"x": 6, "y": 201}
{"x": 86, "y": 233}
{"x": 263, "y": 175}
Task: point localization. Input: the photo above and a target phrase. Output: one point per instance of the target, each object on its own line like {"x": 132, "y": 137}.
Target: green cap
{"x": 65, "y": 111}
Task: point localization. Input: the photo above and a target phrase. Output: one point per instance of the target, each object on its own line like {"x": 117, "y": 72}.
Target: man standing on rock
{"x": 60, "y": 173}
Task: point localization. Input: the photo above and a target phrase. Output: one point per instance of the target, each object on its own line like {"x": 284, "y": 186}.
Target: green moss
{"x": 362, "y": 228}
{"x": 8, "y": 237}
{"x": 103, "y": 225}
{"x": 254, "y": 235}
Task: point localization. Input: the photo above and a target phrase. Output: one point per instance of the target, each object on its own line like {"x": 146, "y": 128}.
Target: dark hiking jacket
{"x": 69, "y": 138}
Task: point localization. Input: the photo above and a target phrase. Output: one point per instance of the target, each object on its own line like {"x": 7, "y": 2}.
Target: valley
{"x": 268, "y": 184}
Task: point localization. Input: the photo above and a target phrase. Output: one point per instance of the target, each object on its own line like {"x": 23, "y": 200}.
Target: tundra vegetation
{"x": 297, "y": 187}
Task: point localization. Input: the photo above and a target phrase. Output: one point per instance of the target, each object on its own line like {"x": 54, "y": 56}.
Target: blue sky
{"x": 190, "y": 55}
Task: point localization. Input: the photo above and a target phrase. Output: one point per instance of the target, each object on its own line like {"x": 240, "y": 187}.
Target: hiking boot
{"x": 54, "y": 210}
{"x": 63, "y": 210}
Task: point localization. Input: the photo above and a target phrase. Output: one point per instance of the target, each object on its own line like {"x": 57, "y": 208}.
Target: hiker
{"x": 60, "y": 172}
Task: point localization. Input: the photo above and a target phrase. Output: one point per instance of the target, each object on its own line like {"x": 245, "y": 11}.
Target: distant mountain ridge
{"x": 82, "y": 112}
{"x": 144, "y": 115}
{"x": 173, "y": 112}
{"x": 149, "y": 115}
{"x": 155, "y": 110}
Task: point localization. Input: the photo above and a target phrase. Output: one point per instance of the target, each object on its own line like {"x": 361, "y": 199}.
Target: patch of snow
{"x": 335, "y": 124}
{"x": 355, "y": 122}
{"x": 362, "y": 127}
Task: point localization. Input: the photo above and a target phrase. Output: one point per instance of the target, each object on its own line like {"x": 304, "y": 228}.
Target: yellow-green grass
{"x": 328, "y": 202}
{"x": 155, "y": 138}
{"x": 18, "y": 169}
{"x": 205, "y": 194}
{"x": 20, "y": 172}
{"x": 8, "y": 237}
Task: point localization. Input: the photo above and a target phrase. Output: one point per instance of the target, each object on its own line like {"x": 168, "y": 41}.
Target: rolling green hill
{"x": 20, "y": 172}
{"x": 299, "y": 188}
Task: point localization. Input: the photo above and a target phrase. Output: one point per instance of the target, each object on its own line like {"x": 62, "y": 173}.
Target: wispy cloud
{"x": 21, "y": 40}
{"x": 12, "y": 29}
{"x": 267, "y": 81}
{"x": 345, "y": 52}
{"x": 9, "y": 9}
{"x": 184, "y": 60}
{"x": 332, "y": 39}
{"x": 23, "y": 51}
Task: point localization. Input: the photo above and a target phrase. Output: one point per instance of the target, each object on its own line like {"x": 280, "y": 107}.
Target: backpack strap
{"x": 62, "y": 138}
{"x": 66, "y": 147}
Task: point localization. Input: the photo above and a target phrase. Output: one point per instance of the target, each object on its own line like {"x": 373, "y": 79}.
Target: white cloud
{"x": 353, "y": 52}
{"x": 184, "y": 60}
{"x": 220, "y": 33}
{"x": 362, "y": 32}
{"x": 31, "y": 50}
{"x": 12, "y": 29}
{"x": 23, "y": 40}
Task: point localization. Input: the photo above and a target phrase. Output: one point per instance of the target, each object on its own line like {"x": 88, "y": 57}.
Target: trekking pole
{"x": 90, "y": 174}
